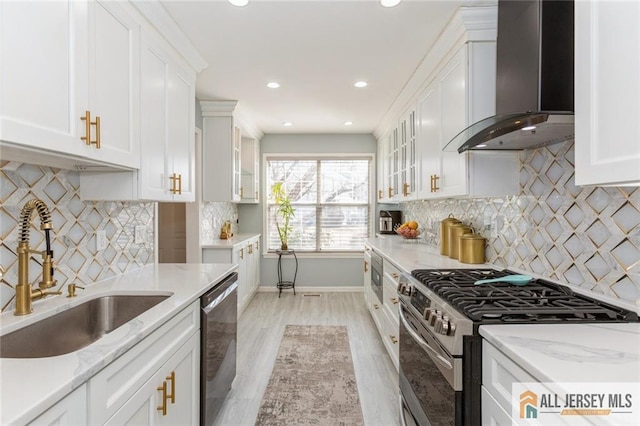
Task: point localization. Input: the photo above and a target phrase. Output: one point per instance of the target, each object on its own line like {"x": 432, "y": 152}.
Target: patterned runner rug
{"x": 313, "y": 382}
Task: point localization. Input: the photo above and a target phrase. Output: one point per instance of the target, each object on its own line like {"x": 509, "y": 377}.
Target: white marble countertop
{"x": 235, "y": 241}
{"x": 29, "y": 386}
{"x": 410, "y": 255}
{"x": 569, "y": 353}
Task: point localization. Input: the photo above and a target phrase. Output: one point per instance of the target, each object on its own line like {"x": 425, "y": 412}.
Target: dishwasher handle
{"x": 222, "y": 288}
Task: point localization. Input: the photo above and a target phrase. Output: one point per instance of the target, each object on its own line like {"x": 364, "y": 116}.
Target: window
{"x": 331, "y": 198}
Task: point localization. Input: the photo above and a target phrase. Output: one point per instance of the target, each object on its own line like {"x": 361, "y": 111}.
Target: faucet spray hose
{"x": 25, "y": 220}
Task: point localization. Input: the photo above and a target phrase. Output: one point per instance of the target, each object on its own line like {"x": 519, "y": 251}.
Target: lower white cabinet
{"x": 384, "y": 312}
{"x": 171, "y": 396}
{"x": 126, "y": 391}
{"x": 246, "y": 255}
{"x": 71, "y": 410}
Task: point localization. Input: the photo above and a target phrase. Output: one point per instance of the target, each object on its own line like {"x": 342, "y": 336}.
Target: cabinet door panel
{"x": 429, "y": 134}
{"x": 43, "y": 80}
{"x": 607, "y": 96}
{"x": 154, "y": 180}
{"x": 114, "y": 82}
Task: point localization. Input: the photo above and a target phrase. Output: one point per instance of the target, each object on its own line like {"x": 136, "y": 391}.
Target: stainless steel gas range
{"x": 441, "y": 349}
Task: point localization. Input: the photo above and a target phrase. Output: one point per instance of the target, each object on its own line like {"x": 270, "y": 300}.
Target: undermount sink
{"x": 75, "y": 328}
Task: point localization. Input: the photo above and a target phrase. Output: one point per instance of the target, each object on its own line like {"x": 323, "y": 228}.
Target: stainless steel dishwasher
{"x": 219, "y": 328}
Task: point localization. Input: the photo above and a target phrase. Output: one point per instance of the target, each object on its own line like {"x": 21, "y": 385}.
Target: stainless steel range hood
{"x": 534, "y": 81}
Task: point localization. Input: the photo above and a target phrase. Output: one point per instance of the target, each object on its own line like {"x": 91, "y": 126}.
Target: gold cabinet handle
{"x": 366, "y": 266}
{"x": 393, "y": 338}
{"x": 405, "y": 189}
{"x": 393, "y": 300}
{"x": 241, "y": 192}
{"x": 87, "y": 127}
{"x": 256, "y": 243}
{"x": 241, "y": 253}
{"x": 176, "y": 184}
{"x": 163, "y": 407}
{"x": 250, "y": 248}
{"x": 172, "y": 378}
{"x": 376, "y": 306}
{"x": 379, "y": 194}
{"x": 394, "y": 275}
{"x": 390, "y": 192}
{"x": 180, "y": 184}
{"x": 97, "y": 124}
{"x": 434, "y": 183}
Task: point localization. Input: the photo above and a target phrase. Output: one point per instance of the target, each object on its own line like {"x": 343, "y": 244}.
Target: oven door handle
{"x": 424, "y": 345}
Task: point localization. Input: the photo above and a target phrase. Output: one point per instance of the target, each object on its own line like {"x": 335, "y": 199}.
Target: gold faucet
{"x": 24, "y": 292}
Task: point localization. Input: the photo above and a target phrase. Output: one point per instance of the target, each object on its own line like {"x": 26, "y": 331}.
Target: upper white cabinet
{"x": 221, "y": 152}
{"x": 462, "y": 93}
{"x": 167, "y": 133}
{"x": 607, "y": 105}
{"x": 250, "y": 170}
{"x": 61, "y": 60}
{"x": 407, "y": 156}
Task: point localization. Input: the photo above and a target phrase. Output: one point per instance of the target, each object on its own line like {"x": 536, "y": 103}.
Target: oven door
{"x": 430, "y": 378}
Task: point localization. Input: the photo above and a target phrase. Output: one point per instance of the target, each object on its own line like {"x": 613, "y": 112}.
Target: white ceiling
{"x": 316, "y": 50}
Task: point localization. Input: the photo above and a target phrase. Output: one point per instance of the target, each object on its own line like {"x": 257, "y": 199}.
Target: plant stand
{"x": 282, "y": 284}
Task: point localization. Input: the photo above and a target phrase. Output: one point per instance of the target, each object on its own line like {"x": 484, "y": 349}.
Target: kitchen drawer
{"x": 390, "y": 335}
{"x": 492, "y": 413}
{"x": 111, "y": 388}
{"x": 392, "y": 272}
{"x": 390, "y": 299}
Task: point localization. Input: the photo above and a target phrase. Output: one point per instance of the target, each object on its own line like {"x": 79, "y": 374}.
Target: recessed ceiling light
{"x": 273, "y": 85}
{"x": 481, "y": 145}
{"x": 239, "y": 3}
{"x": 348, "y": 123}
{"x": 360, "y": 84}
{"x": 389, "y": 3}
{"x": 287, "y": 123}
{"x": 528, "y": 128}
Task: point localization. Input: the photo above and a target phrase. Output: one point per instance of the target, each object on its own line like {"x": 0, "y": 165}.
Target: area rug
{"x": 313, "y": 382}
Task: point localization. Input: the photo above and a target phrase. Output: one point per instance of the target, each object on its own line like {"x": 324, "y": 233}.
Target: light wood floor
{"x": 260, "y": 330}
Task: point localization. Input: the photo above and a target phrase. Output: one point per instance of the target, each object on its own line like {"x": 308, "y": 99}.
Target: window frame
{"x": 317, "y": 157}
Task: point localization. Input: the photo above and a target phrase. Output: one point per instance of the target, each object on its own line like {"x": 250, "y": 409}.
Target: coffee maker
{"x": 389, "y": 220}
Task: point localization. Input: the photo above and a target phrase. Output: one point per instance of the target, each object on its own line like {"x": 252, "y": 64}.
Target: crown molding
{"x": 230, "y": 108}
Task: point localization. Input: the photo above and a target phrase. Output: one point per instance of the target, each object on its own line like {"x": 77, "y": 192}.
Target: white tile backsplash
{"x": 587, "y": 236}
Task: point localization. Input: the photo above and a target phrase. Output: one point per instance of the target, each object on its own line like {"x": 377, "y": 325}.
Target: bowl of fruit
{"x": 409, "y": 230}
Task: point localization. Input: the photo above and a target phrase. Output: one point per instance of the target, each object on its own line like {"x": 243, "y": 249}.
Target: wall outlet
{"x": 101, "y": 240}
{"x": 139, "y": 232}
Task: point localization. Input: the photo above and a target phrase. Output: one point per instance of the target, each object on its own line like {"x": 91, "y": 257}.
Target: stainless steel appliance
{"x": 376, "y": 274}
{"x": 440, "y": 348}
{"x": 534, "y": 79}
{"x": 219, "y": 329}
{"x": 389, "y": 220}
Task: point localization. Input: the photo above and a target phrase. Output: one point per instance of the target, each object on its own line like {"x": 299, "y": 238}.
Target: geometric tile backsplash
{"x": 74, "y": 224}
{"x": 586, "y": 236}
{"x": 212, "y": 216}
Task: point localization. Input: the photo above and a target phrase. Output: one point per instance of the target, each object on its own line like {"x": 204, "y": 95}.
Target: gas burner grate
{"x": 538, "y": 301}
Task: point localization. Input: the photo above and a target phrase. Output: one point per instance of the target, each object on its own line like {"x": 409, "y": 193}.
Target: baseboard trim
{"x": 307, "y": 289}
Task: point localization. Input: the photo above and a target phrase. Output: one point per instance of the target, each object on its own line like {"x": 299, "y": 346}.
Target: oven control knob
{"x": 427, "y": 313}
{"x": 437, "y": 327}
{"x": 435, "y": 315}
{"x": 401, "y": 288}
{"x": 444, "y": 328}
{"x": 452, "y": 329}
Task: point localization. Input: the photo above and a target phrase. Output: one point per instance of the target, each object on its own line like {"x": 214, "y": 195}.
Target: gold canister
{"x": 471, "y": 248}
{"x": 444, "y": 233}
{"x": 455, "y": 231}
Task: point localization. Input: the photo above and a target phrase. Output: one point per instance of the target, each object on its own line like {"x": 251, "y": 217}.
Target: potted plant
{"x": 285, "y": 210}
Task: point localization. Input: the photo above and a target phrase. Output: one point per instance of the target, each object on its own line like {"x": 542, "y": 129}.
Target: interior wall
{"x": 585, "y": 236}
{"x": 75, "y": 223}
{"x": 313, "y": 271}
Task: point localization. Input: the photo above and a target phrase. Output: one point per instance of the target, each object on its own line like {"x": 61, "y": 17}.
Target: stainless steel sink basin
{"x": 75, "y": 328}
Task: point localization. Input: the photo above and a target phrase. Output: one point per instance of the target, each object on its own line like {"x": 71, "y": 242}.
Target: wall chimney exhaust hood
{"x": 534, "y": 81}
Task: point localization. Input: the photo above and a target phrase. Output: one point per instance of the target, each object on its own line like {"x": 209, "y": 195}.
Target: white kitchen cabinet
{"x": 221, "y": 152}
{"x": 607, "y": 105}
{"x": 62, "y": 61}
{"x": 380, "y": 173}
{"x": 462, "y": 93}
{"x": 250, "y": 170}
{"x": 69, "y": 411}
{"x": 246, "y": 254}
{"x": 167, "y": 121}
{"x": 130, "y": 382}
{"x": 171, "y": 396}
{"x": 407, "y": 156}
{"x": 391, "y": 171}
